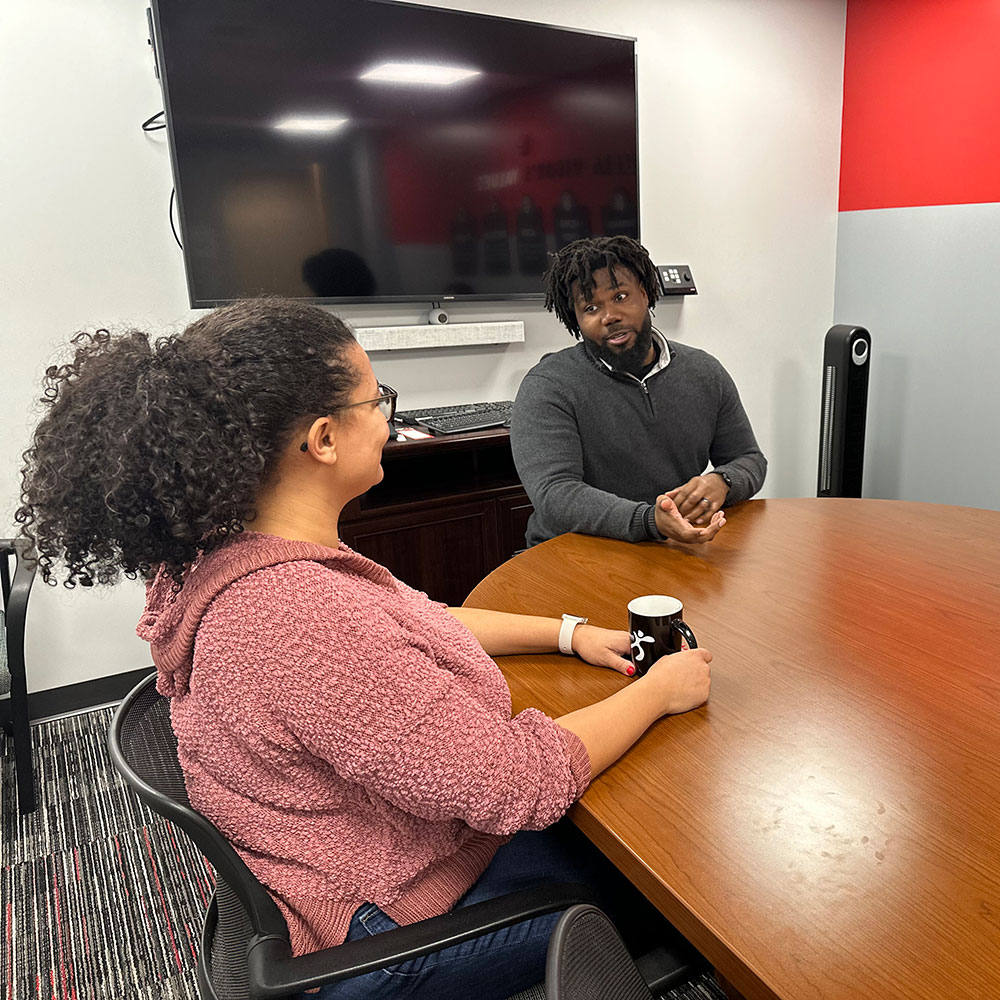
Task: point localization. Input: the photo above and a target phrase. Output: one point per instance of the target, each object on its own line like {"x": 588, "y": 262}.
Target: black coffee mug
{"x": 655, "y": 629}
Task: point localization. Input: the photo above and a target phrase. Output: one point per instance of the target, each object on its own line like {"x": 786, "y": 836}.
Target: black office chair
{"x": 245, "y": 950}
{"x": 587, "y": 960}
{"x": 14, "y": 701}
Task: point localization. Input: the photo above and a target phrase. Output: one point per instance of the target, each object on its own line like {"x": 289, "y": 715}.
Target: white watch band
{"x": 569, "y": 623}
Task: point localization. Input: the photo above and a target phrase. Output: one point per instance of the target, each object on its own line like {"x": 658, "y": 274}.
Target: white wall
{"x": 739, "y": 150}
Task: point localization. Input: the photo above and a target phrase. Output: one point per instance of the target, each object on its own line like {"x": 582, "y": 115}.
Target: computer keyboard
{"x": 458, "y": 418}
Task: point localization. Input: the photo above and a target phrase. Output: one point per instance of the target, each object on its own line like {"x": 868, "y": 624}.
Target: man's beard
{"x": 633, "y": 359}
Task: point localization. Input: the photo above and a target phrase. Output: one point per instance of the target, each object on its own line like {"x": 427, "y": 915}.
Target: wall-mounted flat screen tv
{"x": 360, "y": 150}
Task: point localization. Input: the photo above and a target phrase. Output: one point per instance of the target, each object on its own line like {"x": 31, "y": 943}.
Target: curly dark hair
{"x": 576, "y": 263}
{"x": 152, "y": 451}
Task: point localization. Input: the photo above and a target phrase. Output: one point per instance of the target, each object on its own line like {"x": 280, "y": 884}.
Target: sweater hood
{"x": 171, "y": 618}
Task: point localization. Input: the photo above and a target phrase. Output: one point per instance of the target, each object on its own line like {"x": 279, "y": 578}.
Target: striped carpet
{"x": 101, "y": 900}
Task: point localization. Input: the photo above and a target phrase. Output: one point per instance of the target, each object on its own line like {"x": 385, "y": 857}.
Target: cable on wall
{"x": 153, "y": 124}
{"x": 173, "y": 228}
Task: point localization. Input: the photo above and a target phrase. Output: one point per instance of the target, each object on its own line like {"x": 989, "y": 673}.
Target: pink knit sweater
{"x": 350, "y": 737}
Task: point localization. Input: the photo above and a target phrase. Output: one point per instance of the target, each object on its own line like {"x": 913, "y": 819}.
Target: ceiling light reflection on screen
{"x": 429, "y": 74}
{"x": 311, "y": 123}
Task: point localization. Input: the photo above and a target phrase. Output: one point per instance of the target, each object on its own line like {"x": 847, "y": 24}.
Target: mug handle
{"x": 685, "y": 631}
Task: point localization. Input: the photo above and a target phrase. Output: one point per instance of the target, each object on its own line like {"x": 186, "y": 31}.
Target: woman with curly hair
{"x": 352, "y": 738}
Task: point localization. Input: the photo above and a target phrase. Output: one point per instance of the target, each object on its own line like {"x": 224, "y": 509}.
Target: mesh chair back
{"x": 143, "y": 749}
{"x": 588, "y": 960}
{"x": 148, "y": 744}
{"x": 223, "y": 969}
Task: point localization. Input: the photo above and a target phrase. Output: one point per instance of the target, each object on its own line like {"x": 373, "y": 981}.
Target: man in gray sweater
{"x": 613, "y": 436}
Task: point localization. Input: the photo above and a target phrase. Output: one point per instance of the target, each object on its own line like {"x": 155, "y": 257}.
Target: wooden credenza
{"x": 448, "y": 512}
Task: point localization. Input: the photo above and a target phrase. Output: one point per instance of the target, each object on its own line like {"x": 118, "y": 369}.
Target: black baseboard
{"x": 84, "y": 695}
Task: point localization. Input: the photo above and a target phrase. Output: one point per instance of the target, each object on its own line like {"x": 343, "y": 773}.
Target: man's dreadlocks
{"x": 576, "y": 263}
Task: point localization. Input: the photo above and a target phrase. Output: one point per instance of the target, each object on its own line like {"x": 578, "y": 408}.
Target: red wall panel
{"x": 921, "y": 103}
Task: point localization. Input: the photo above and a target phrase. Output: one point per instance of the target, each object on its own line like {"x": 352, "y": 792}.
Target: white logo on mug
{"x": 638, "y": 638}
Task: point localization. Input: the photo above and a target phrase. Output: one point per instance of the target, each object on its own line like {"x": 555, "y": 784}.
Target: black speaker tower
{"x": 846, "y": 360}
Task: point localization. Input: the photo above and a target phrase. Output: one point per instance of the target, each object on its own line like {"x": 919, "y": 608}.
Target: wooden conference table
{"x": 828, "y": 826}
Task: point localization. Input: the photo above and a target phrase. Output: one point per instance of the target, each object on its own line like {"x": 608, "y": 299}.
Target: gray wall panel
{"x": 925, "y": 282}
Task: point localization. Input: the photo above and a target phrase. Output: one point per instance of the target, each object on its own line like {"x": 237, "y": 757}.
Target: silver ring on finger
{"x": 706, "y": 500}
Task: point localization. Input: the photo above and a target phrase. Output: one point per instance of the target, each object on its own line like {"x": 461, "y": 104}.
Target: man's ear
{"x": 321, "y": 440}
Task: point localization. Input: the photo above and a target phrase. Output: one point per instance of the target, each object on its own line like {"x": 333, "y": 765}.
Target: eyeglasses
{"x": 386, "y": 400}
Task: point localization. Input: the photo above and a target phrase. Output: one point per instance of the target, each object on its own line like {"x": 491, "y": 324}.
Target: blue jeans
{"x": 496, "y": 965}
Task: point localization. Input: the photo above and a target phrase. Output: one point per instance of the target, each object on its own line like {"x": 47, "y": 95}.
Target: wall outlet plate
{"x": 675, "y": 279}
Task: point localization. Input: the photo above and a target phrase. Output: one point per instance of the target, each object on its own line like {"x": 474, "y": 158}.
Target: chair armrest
{"x": 274, "y": 973}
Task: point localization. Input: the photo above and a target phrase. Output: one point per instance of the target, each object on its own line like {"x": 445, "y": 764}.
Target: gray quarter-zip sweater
{"x": 594, "y": 448}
